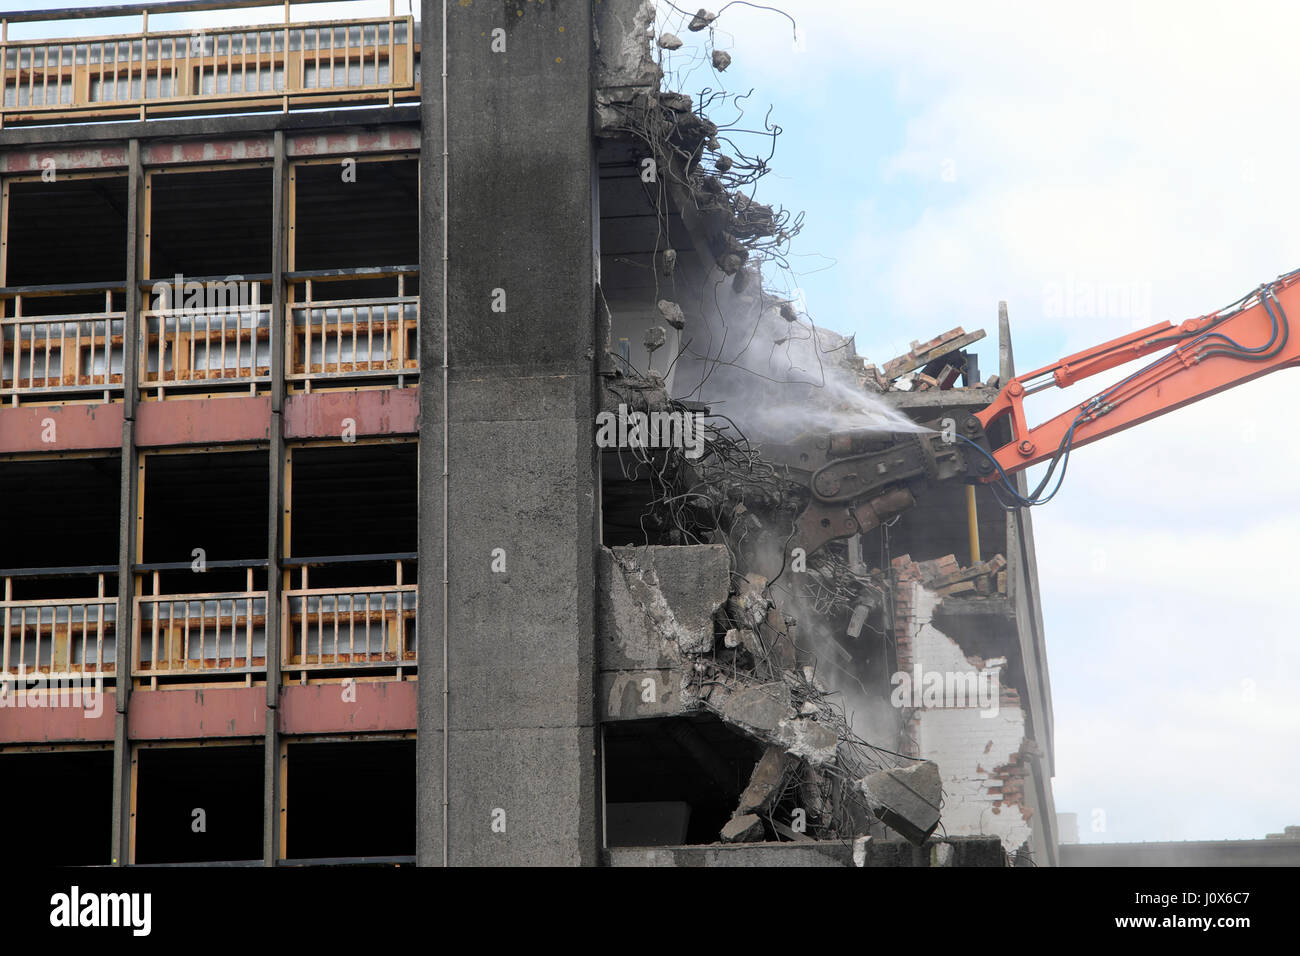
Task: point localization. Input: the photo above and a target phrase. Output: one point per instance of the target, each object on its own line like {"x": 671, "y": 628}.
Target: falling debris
{"x": 672, "y": 313}
{"x": 701, "y": 20}
{"x": 721, "y": 60}
{"x": 923, "y": 354}
{"x": 655, "y": 337}
{"x": 906, "y": 799}
{"x": 668, "y": 262}
{"x": 670, "y": 42}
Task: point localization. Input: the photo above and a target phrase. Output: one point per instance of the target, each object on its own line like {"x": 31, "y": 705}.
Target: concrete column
{"x": 127, "y": 503}
{"x": 521, "y": 462}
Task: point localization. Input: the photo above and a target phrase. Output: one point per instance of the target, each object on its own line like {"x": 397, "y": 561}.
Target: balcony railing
{"x": 58, "y": 635}
{"x": 227, "y": 343}
{"x": 214, "y": 634}
{"x": 63, "y": 352}
{"x": 213, "y": 69}
{"x": 340, "y": 628}
{"x": 339, "y": 338}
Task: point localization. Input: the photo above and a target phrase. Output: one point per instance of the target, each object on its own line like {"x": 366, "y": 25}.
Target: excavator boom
{"x": 856, "y": 480}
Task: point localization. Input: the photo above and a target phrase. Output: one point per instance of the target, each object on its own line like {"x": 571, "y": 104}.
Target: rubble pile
{"x": 947, "y": 578}
{"x": 776, "y": 665}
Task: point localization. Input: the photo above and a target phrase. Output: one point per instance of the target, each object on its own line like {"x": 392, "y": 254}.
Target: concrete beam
{"x": 207, "y": 126}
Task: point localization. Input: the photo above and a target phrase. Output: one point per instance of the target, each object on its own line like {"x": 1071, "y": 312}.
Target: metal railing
{"x": 350, "y": 627}
{"x": 57, "y": 635}
{"x": 61, "y": 353}
{"x": 227, "y": 343}
{"x": 333, "y": 338}
{"x": 216, "y": 69}
{"x": 209, "y": 634}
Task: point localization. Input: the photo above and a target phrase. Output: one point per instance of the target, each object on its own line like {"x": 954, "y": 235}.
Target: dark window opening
{"x": 341, "y": 224}
{"x": 216, "y": 502}
{"x": 210, "y": 223}
{"x": 353, "y": 799}
{"x": 225, "y": 783}
{"x": 355, "y": 500}
{"x": 61, "y": 514}
{"x": 673, "y": 781}
{"x": 58, "y": 807}
{"x": 63, "y": 232}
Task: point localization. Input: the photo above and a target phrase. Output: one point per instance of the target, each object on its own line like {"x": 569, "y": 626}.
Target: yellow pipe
{"x": 972, "y": 525}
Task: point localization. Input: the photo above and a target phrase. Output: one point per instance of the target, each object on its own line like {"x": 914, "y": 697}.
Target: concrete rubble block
{"x": 942, "y": 854}
{"x": 758, "y": 709}
{"x": 670, "y": 41}
{"x": 721, "y": 60}
{"x": 765, "y": 782}
{"x": 749, "y": 606}
{"x": 701, "y": 20}
{"x": 672, "y": 313}
{"x": 747, "y": 828}
{"x": 657, "y": 603}
{"x": 809, "y": 739}
{"x": 906, "y": 799}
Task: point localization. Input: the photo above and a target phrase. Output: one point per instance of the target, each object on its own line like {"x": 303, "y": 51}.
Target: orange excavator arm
{"x": 1211, "y": 353}
{"x": 860, "y": 478}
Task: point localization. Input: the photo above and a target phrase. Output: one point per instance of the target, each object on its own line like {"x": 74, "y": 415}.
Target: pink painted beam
{"x": 185, "y": 714}
{"x": 389, "y": 411}
{"x": 203, "y": 421}
{"x": 347, "y": 708}
{"x": 91, "y": 720}
{"x": 60, "y": 428}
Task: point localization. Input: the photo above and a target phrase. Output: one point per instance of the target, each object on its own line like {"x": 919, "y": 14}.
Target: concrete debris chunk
{"x": 669, "y": 42}
{"x": 672, "y": 313}
{"x": 732, "y": 638}
{"x": 749, "y": 605}
{"x": 759, "y": 709}
{"x": 655, "y": 337}
{"x": 765, "y": 782}
{"x": 810, "y": 739}
{"x": 730, "y": 263}
{"x": 743, "y": 829}
{"x": 668, "y": 261}
{"x": 923, "y": 353}
{"x": 906, "y": 799}
{"x": 722, "y": 164}
{"x": 701, "y": 20}
{"x": 721, "y": 60}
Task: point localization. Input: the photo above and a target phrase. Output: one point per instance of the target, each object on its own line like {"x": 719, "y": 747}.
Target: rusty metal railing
{"x": 209, "y": 70}
{"x": 61, "y": 353}
{"x": 58, "y": 635}
{"x": 333, "y": 338}
{"x": 214, "y": 634}
{"x": 344, "y": 628}
{"x": 226, "y": 344}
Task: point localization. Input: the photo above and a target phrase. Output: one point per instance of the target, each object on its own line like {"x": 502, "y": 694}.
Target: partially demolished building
{"x": 499, "y": 470}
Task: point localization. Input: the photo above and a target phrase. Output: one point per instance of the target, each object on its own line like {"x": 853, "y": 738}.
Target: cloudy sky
{"x": 951, "y": 155}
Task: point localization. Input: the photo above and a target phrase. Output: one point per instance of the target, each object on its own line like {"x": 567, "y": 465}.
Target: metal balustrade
{"x": 58, "y": 635}
{"x": 221, "y": 69}
{"x": 62, "y": 352}
{"x": 333, "y": 338}
{"x": 349, "y": 627}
